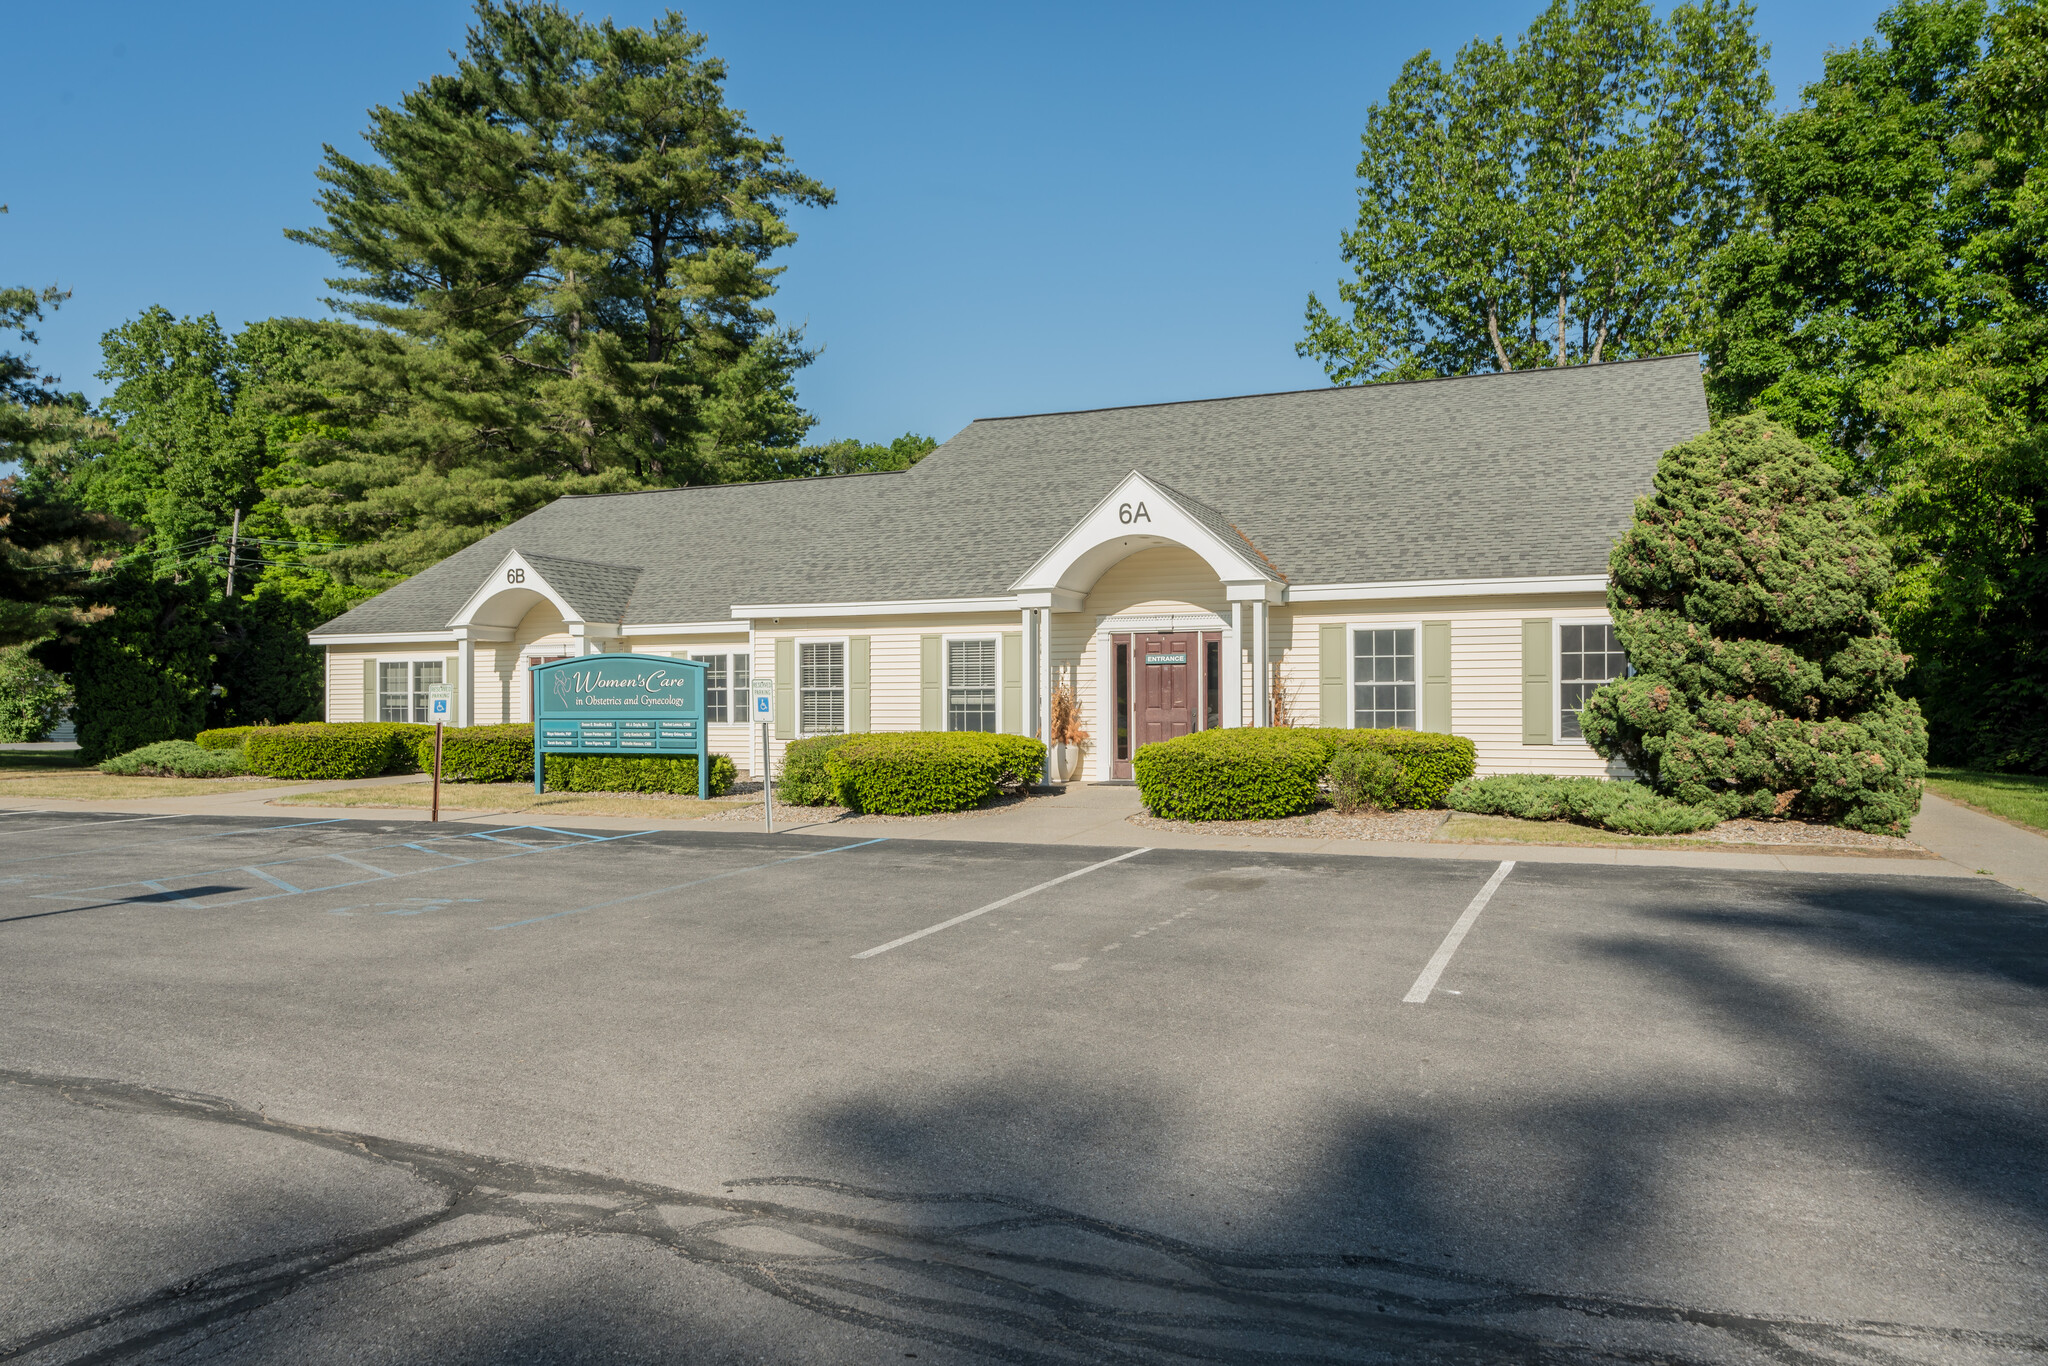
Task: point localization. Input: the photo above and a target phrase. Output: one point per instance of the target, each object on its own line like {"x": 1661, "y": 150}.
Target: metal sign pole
{"x": 437, "y": 772}
{"x": 767, "y": 783}
{"x": 539, "y": 770}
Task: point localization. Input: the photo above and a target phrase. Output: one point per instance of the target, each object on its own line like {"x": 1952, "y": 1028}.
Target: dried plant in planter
{"x": 1066, "y": 716}
{"x": 1283, "y": 701}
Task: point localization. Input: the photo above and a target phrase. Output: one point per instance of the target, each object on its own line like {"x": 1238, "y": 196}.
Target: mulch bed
{"x": 1408, "y": 827}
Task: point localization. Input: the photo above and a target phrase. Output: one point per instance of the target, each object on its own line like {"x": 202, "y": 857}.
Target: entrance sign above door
{"x": 626, "y": 705}
{"x": 1177, "y": 657}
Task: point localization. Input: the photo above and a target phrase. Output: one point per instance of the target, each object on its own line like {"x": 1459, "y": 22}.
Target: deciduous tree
{"x": 1550, "y": 202}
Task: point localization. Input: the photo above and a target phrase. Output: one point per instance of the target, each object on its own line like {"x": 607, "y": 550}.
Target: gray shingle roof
{"x": 1490, "y": 476}
{"x": 598, "y": 592}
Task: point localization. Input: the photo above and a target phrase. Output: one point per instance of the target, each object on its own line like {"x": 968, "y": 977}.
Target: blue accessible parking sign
{"x": 620, "y": 704}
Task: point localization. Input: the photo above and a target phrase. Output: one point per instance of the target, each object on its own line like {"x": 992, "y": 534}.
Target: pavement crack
{"x": 1006, "y": 1278}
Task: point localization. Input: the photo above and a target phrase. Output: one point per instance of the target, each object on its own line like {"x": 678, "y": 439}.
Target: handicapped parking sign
{"x": 440, "y": 699}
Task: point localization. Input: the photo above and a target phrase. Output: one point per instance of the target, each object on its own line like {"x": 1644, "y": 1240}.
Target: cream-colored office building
{"x": 1428, "y": 555}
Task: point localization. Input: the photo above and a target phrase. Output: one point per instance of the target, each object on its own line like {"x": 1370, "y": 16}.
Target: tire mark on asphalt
{"x": 935, "y": 1267}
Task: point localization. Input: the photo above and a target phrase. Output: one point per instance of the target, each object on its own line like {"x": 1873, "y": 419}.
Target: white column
{"x": 465, "y": 683}
{"x": 1029, "y": 703}
{"x": 1262, "y": 702}
{"x": 1233, "y": 674}
{"x": 1045, "y": 675}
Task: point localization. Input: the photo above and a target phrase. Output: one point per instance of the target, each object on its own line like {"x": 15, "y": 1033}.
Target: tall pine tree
{"x": 561, "y": 252}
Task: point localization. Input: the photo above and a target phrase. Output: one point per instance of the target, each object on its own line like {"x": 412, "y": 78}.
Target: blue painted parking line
{"x": 161, "y": 894}
{"x": 694, "y": 882}
{"x": 420, "y": 845}
{"x": 182, "y": 839}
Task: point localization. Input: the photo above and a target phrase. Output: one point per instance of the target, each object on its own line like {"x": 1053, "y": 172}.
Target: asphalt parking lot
{"x": 384, "y": 1091}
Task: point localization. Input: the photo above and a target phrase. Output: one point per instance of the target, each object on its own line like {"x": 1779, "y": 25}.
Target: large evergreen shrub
{"x": 32, "y": 699}
{"x": 1628, "y": 807}
{"x": 320, "y": 752}
{"x": 1745, "y": 594}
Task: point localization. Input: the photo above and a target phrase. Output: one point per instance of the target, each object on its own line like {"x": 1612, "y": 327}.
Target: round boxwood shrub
{"x": 175, "y": 759}
{"x": 482, "y": 754}
{"x": 1252, "y": 774}
{"x": 625, "y": 772}
{"x": 804, "y": 781}
{"x": 912, "y": 773}
{"x": 1746, "y": 594}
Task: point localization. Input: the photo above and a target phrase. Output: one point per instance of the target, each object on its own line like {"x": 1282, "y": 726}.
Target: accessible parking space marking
{"x": 1426, "y": 983}
{"x": 996, "y": 905}
{"x": 160, "y": 894}
{"x": 693, "y": 882}
{"x": 152, "y": 844}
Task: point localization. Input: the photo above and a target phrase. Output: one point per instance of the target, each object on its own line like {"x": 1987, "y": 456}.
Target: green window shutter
{"x": 860, "y": 689}
{"x": 785, "y": 689}
{"x": 1536, "y": 682}
{"x": 1332, "y": 711}
{"x": 931, "y": 672}
{"x": 451, "y": 674}
{"x": 1013, "y": 683}
{"x": 1436, "y": 677}
{"x": 369, "y": 690}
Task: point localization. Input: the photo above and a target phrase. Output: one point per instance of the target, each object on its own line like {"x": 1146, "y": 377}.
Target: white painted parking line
{"x": 693, "y": 882}
{"x": 996, "y": 905}
{"x": 88, "y": 825}
{"x": 1426, "y": 983}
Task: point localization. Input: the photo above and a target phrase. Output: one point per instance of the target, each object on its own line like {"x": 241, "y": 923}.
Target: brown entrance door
{"x": 1168, "y": 669}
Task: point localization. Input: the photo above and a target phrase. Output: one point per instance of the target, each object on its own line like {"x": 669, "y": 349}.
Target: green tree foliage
{"x": 50, "y": 549}
{"x": 32, "y": 699}
{"x": 1746, "y": 594}
{"x": 1550, "y": 203}
{"x": 849, "y": 456}
{"x": 561, "y": 250}
{"x": 1894, "y": 307}
{"x": 142, "y": 672}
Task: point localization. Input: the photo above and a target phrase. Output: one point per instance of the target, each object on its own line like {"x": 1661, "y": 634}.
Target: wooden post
{"x": 437, "y": 772}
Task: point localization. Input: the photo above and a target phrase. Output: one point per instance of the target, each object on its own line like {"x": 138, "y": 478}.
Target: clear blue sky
{"x": 1040, "y": 207}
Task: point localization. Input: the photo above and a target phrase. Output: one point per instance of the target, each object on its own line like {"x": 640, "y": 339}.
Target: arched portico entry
{"x": 1152, "y": 607}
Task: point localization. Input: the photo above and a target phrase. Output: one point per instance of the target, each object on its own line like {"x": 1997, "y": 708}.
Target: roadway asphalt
{"x": 380, "y": 1091}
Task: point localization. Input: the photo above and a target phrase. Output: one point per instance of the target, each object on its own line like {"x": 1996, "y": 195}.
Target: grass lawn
{"x": 89, "y": 785}
{"x": 2020, "y": 799}
{"x": 516, "y": 798}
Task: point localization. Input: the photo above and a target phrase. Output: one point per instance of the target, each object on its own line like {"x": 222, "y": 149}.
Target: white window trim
{"x": 412, "y": 663}
{"x": 736, "y": 703}
{"x": 796, "y": 695}
{"x": 1557, "y": 625}
{"x": 946, "y": 674}
{"x": 1351, "y": 628}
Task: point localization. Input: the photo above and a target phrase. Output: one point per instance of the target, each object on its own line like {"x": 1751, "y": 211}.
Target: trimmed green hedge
{"x": 319, "y": 752}
{"x": 804, "y": 781}
{"x": 175, "y": 759}
{"x": 481, "y": 754}
{"x": 1431, "y": 764}
{"x": 1238, "y": 774}
{"x": 1630, "y": 808}
{"x": 624, "y": 772}
{"x": 912, "y": 773}
{"x": 227, "y": 737}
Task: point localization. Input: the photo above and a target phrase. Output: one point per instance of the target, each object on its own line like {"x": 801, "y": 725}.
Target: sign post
{"x": 764, "y": 712}
{"x": 621, "y": 705}
{"x": 440, "y": 697}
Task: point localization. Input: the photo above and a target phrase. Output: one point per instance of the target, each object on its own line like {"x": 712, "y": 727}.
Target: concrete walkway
{"x": 1967, "y": 842}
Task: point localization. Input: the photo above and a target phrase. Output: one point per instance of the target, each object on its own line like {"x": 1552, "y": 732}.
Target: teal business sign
{"x": 621, "y": 705}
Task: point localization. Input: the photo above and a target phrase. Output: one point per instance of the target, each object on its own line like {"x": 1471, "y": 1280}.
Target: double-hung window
{"x": 821, "y": 686}
{"x": 402, "y": 688}
{"x": 725, "y": 687}
{"x": 1588, "y": 656}
{"x": 971, "y": 685}
{"x": 1383, "y": 677}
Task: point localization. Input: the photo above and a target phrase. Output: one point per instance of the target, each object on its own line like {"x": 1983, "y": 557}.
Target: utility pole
{"x": 234, "y": 536}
